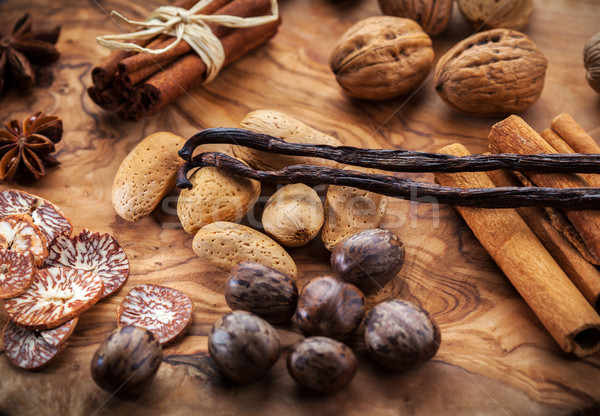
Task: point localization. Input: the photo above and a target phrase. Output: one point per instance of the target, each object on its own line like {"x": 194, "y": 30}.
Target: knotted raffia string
{"x": 188, "y": 26}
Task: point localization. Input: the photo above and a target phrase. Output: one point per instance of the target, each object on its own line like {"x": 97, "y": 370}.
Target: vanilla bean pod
{"x": 509, "y": 197}
{"x": 396, "y": 160}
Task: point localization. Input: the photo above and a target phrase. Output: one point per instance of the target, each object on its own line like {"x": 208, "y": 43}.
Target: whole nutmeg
{"x": 243, "y": 346}
{"x": 399, "y": 334}
{"x": 330, "y": 307}
{"x": 591, "y": 60}
{"x": 382, "y": 57}
{"x": 322, "y": 364}
{"x": 368, "y": 259}
{"x": 491, "y": 73}
{"x": 432, "y": 15}
{"x": 262, "y": 290}
{"x": 493, "y": 14}
{"x": 127, "y": 361}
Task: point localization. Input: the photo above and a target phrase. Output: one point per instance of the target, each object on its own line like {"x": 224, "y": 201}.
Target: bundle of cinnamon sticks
{"x": 136, "y": 85}
{"x": 550, "y": 256}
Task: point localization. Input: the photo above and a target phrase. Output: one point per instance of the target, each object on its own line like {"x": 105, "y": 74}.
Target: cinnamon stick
{"x": 513, "y": 135}
{"x": 573, "y": 134}
{"x": 555, "y": 300}
{"x": 140, "y": 66}
{"x": 582, "y": 273}
{"x": 189, "y": 70}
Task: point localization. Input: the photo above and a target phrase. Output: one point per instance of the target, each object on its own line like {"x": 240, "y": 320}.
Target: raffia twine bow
{"x": 188, "y": 26}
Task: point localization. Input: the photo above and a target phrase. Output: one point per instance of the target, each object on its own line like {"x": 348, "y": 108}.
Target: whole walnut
{"x": 491, "y": 73}
{"x": 492, "y": 14}
{"x": 432, "y": 15}
{"x": 591, "y": 60}
{"x": 382, "y": 57}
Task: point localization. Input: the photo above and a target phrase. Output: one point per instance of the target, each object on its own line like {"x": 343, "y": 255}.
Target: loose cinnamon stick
{"x": 573, "y": 134}
{"x": 140, "y": 66}
{"x": 582, "y": 273}
{"x": 513, "y": 135}
{"x": 189, "y": 70}
{"x": 561, "y": 308}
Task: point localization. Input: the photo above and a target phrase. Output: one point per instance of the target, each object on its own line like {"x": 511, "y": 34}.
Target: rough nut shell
{"x": 322, "y": 364}
{"x": 56, "y": 295}
{"x": 369, "y": 259}
{"x": 164, "y": 311}
{"x": 146, "y": 175}
{"x": 330, "y": 307}
{"x": 16, "y": 273}
{"x": 350, "y": 210}
{"x": 47, "y": 216}
{"x": 98, "y": 253}
{"x": 432, "y": 15}
{"x": 127, "y": 361}
{"x": 34, "y": 350}
{"x": 215, "y": 196}
{"x": 284, "y": 127}
{"x": 226, "y": 244}
{"x": 18, "y": 233}
{"x": 492, "y": 14}
{"x": 293, "y": 215}
{"x": 382, "y": 57}
{"x": 399, "y": 334}
{"x": 243, "y": 346}
{"x": 491, "y": 73}
{"x": 591, "y": 60}
{"x": 264, "y": 291}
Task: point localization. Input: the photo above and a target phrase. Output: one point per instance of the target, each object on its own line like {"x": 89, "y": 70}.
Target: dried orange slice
{"x": 47, "y": 216}
{"x": 55, "y": 296}
{"x": 98, "y": 253}
{"x": 33, "y": 350}
{"x": 16, "y": 273}
{"x": 164, "y": 311}
{"x": 19, "y": 233}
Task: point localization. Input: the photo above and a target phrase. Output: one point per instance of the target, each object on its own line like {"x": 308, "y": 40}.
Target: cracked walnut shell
{"x": 382, "y": 57}
{"x": 492, "y": 73}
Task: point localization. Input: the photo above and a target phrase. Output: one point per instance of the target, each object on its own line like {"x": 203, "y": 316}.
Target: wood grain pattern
{"x": 495, "y": 357}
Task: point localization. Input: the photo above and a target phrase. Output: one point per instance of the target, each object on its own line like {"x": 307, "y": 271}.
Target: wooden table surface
{"x": 495, "y": 357}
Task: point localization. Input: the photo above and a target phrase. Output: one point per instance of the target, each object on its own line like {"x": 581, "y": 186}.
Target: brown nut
{"x": 322, "y": 364}
{"x": 127, "y": 361}
{"x": 262, "y": 290}
{"x": 382, "y": 57}
{"x": 491, "y": 73}
{"x": 492, "y": 14}
{"x": 432, "y": 15}
{"x": 399, "y": 334}
{"x": 591, "y": 60}
{"x": 329, "y": 307}
{"x": 369, "y": 259}
{"x": 243, "y": 346}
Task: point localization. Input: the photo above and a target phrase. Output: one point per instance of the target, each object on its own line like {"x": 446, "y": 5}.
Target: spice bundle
{"x": 135, "y": 85}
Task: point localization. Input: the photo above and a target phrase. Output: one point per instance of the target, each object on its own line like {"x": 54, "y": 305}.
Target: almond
{"x": 284, "y": 127}
{"x": 293, "y": 215}
{"x": 215, "y": 196}
{"x": 226, "y": 244}
{"x": 350, "y": 210}
{"x": 146, "y": 175}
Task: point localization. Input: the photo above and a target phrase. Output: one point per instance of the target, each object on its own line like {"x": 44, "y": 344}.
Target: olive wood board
{"x": 495, "y": 357}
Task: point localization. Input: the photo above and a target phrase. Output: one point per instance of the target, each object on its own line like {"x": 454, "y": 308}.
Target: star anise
{"x": 25, "y": 148}
{"x": 22, "y": 49}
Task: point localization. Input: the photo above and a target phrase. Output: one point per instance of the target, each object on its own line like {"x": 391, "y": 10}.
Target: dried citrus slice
{"x": 47, "y": 216}
{"x": 19, "y": 233}
{"x": 16, "y": 273}
{"x": 55, "y": 296}
{"x": 33, "y": 350}
{"x": 164, "y": 311}
{"x": 98, "y": 253}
